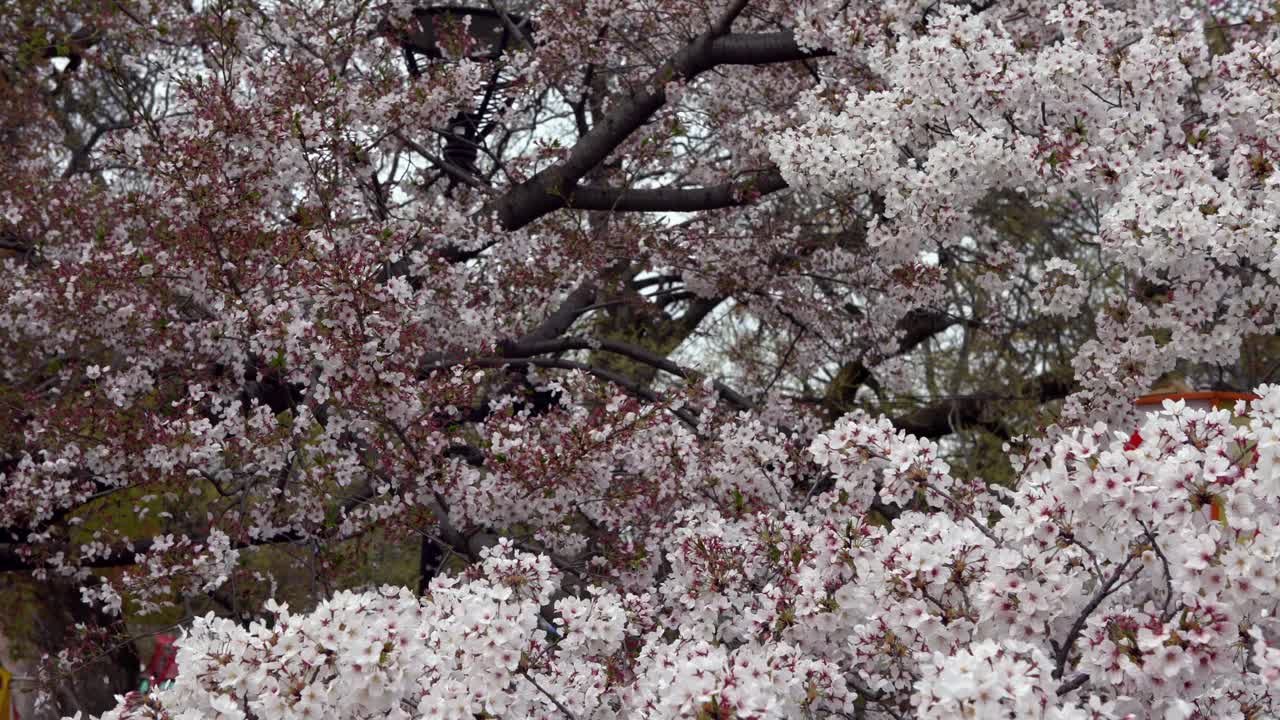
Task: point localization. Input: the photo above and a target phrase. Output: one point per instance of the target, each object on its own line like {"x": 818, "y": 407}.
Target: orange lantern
{"x": 1203, "y": 400}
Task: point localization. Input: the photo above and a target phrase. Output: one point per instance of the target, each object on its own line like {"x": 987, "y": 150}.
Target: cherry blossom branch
{"x": 622, "y": 381}
{"x": 559, "y": 706}
{"x": 1166, "y": 613}
{"x": 126, "y": 555}
{"x": 731, "y": 13}
{"x": 562, "y": 318}
{"x": 446, "y": 167}
{"x": 1073, "y": 683}
{"x": 730, "y": 194}
{"x": 916, "y": 327}
{"x": 550, "y": 189}
{"x": 762, "y": 49}
{"x": 937, "y": 420}
{"x": 1112, "y": 584}
{"x": 632, "y": 352}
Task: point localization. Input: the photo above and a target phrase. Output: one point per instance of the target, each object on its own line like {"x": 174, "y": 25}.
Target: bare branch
{"x": 935, "y": 421}
{"x": 1075, "y": 682}
{"x": 761, "y": 49}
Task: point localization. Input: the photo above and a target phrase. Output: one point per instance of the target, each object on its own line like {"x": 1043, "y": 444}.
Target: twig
{"x": 1165, "y": 613}
{"x": 1075, "y": 682}
{"x": 560, "y": 706}
{"x": 1110, "y": 586}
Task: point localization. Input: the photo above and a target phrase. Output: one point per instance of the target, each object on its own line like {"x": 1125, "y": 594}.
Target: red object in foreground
{"x": 164, "y": 660}
{"x": 1134, "y": 441}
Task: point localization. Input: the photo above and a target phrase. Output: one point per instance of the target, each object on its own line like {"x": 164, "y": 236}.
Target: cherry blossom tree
{"x": 655, "y": 343}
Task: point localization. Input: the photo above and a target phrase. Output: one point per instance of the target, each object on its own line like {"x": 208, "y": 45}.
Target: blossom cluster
{"x": 247, "y": 307}
{"x": 1111, "y": 581}
{"x": 1124, "y": 113}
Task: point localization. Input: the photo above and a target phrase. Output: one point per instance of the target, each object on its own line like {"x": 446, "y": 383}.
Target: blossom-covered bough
{"x": 1111, "y": 583}
{"x": 256, "y": 330}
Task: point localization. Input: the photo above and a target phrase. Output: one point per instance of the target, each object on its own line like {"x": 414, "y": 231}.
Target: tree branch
{"x": 633, "y": 352}
{"x": 726, "y": 20}
{"x": 730, "y": 194}
{"x": 560, "y": 320}
{"x": 916, "y": 327}
{"x": 548, "y": 190}
{"x": 126, "y": 555}
{"x": 622, "y": 381}
{"x": 1111, "y": 585}
{"x": 935, "y": 421}
{"x": 1074, "y": 683}
{"x": 761, "y": 49}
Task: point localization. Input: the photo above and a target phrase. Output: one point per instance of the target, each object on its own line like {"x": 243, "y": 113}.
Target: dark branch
{"x": 916, "y": 327}
{"x": 761, "y": 49}
{"x": 920, "y": 325}
{"x": 1112, "y": 584}
{"x": 11, "y": 560}
{"x": 638, "y": 354}
{"x": 560, "y": 320}
{"x": 731, "y": 194}
{"x": 944, "y": 418}
{"x": 1075, "y": 683}
{"x": 725, "y": 24}
{"x": 630, "y": 386}
{"x": 548, "y": 190}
